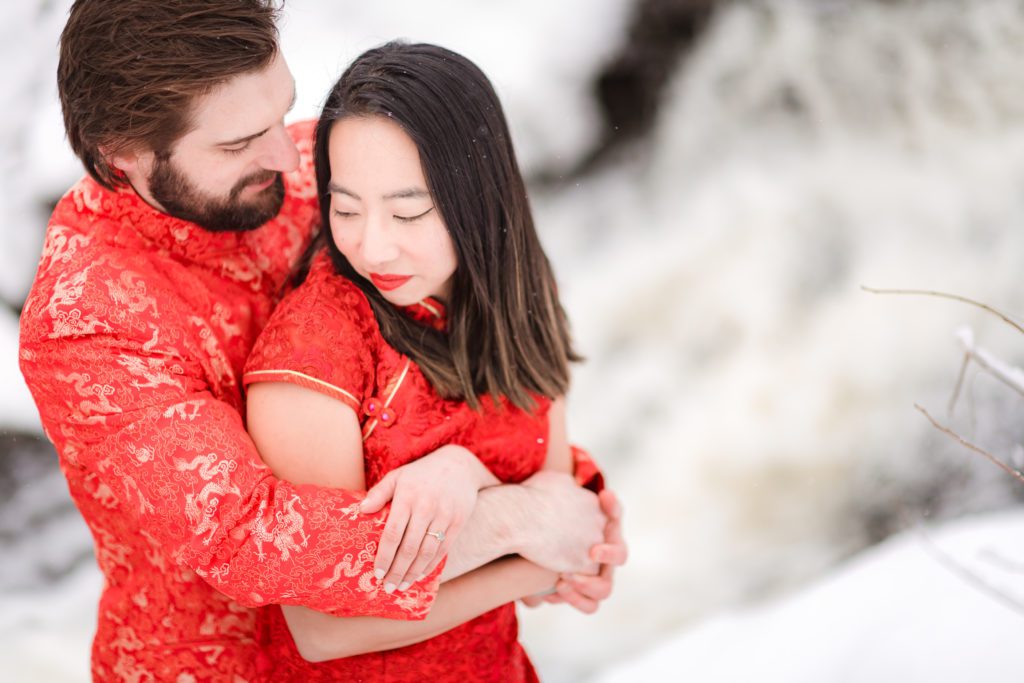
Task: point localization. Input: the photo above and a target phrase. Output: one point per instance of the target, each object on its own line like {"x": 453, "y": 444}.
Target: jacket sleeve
{"x": 585, "y": 470}
{"x": 131, "y": 410}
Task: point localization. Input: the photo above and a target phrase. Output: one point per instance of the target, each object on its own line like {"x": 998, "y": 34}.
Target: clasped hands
{"x": 558, "y": 525}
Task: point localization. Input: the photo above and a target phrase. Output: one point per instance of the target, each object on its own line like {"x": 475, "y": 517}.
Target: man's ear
{"x": 129, "y": 161}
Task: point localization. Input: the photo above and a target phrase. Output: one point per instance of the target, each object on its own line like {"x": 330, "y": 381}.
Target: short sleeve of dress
{"x": 318, "y": 338}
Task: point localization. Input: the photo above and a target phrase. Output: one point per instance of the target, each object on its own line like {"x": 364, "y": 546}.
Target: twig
{"x": 955, "y": 297}
{"x": 1004, "y": 372}
{"x": 967, "y": 575}
{"x": 959, "y": 384}
{"x": 967, "y": 444}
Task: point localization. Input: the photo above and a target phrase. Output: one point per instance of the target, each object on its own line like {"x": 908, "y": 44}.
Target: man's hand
{"x": 567, "y": 520}
{"x": 586, "y": 592}
{"x": 433, "y": 495}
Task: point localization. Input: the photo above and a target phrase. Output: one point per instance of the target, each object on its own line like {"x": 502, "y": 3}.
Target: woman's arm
{"x": 320, "y": 637}
{"x": 559, "y": 454}
{"x": 582, "y": 590}
{"x": 306, "y": 437}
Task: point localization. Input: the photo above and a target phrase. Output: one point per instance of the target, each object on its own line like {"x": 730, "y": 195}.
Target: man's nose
{"x": 280, "y": 152}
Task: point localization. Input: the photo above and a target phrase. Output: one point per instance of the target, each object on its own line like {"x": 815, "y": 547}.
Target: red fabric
{"x": 585, "y": 470}
{"x": 133, "y": 340}
{"x": 324, "y": 336}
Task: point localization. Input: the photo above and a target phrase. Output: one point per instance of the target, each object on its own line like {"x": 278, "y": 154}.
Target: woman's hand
{"x": 432, "y": 498}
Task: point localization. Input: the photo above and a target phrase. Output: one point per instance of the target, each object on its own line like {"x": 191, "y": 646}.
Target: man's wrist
{"x": 514, "y": 515}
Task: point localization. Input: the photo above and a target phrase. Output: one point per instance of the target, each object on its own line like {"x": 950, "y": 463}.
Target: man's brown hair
{"x": 130, "y": 70}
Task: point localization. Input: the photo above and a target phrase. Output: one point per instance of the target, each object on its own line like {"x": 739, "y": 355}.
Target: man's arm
{"x": 126, "y": 401}
{"x": 308, "y": 436}
{"x": 548, "y": 518}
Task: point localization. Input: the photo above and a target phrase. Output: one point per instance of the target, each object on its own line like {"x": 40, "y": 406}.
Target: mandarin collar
{"x": 430, "y": 312}
{"x": 176, "y": 236}
{"x": 234, "y": 255}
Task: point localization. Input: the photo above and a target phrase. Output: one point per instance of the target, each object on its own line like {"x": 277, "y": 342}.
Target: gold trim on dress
{"x": 427, "y": 305}
{"x": 306, "y": 377}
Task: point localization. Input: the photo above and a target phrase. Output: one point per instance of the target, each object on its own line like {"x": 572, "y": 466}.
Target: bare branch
{"x": 955, "y": 297}
{"x": 967, "y": 444}
{"x": 959, "y": 384}
{"x": 1004, "y": 372}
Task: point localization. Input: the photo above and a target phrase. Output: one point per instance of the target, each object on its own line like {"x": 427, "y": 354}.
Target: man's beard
{"x": 169, "y": 186}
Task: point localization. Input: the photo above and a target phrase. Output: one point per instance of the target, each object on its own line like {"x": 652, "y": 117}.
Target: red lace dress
{"x": 324, "y": 337}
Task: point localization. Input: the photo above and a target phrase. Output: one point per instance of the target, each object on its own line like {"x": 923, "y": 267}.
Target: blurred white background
{"x": 749, "y": 402}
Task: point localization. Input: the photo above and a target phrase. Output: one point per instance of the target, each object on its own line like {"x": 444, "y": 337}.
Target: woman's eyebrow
{"x": 335, "y": 188}
{"x": 408, "y": 193}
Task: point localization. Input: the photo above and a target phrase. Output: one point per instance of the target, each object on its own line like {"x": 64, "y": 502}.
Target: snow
{"x": 17, "y": 411}
{"x": 898, "y": 612}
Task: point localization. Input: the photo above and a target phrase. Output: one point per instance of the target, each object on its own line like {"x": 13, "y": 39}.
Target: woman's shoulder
{"x": 332, "y": 300}
{"x": 325, "y": 311}
{"x": 322, "y": 332}
{"x": 324, "y": 279}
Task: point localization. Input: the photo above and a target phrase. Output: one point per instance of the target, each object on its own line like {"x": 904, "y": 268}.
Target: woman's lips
{"x": 388, "y": 282}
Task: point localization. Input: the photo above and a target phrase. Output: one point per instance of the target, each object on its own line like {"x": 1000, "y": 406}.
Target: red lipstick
{"x": 386, "y": 283}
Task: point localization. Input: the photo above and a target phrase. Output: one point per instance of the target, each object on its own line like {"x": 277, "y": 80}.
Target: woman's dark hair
{"x": 507, "y": 332}
{"x": 129, "y": 72}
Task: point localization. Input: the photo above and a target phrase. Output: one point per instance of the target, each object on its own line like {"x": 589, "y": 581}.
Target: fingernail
{"x": 389, "y": 587}
{"x": 421, "y": 577}
{"x": 404, "y": 585}
{"x": 378, "y": 574}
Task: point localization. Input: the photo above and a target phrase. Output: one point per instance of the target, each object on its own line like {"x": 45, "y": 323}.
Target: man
{"x": 158, "y": 271}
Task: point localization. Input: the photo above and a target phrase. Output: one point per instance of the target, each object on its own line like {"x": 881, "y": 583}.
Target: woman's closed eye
{"x": 410, "y": 219}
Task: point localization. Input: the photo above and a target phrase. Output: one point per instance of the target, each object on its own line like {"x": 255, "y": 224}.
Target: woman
{"x": 429, "y": 324}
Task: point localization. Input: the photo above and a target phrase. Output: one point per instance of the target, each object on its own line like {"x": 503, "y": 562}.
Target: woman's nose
{"x": 378, "y": 247}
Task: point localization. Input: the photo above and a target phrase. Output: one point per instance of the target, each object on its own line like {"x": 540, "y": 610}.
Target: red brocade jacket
{"x": 133, "y": 341}
{"x": 325, "y": 337}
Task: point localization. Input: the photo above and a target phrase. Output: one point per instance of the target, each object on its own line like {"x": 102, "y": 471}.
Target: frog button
{"x": 372, "y": 406}
{"x": 387, "y": 416}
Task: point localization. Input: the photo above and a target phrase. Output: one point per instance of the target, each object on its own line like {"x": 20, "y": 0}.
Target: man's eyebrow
{"x": 241, "y": 140}
{"x": 247, "y": 138}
